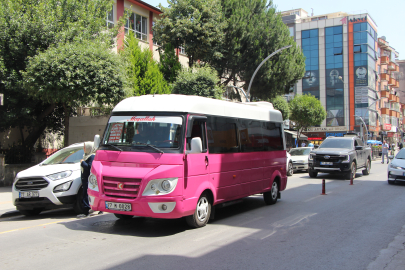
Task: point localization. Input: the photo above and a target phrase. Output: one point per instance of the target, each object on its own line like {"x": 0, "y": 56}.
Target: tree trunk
{"x": 36, "y": 131}
{"x": 66, "y": 123}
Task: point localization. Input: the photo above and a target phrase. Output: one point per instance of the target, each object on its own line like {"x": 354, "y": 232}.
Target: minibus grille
{"x": 121, "y": 187}
{"x": 31, "y": 184}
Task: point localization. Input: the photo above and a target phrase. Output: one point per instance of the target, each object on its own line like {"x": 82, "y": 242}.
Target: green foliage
{"x": 279, "y": 103}
{"x": 306, "y": 111}
{"x": 197, "y": 25}
{"x": 199, "y": 81}
{"x": 254, "y": 31}
{"x": 75, "y": 74}
{"x": 169, "y": 63}
{"x": 143, "y": 72}
{"x": 32, "y": 26}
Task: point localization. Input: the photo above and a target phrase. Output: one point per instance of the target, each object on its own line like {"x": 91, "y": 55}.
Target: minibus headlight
{"x": 93, "y": 185}
{"x": 160, "y": 186}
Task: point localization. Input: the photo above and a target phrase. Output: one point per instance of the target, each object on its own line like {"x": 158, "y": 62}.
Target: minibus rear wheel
{"x": 271, "y": 196}
{"x": 202, "y": 212}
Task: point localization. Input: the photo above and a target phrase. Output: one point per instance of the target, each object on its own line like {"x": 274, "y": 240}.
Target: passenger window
{"x": 251, "y": 133}
{"x": 198, "y": 131}
{"x": 272, "y": 138}
{"x": 222, "y": 135}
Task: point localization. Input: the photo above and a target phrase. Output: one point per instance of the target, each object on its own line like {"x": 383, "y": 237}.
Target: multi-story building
{"x": 343, "y": 70}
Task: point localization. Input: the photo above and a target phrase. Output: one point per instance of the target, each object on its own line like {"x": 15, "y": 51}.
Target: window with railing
{"x": 138, "y": 25}
{"x": 182, "y": 50}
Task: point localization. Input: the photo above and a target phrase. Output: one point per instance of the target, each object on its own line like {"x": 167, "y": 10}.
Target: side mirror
{"x": 195, "y": 146}
{"x": 391, "y": 157}
{"x": 96, "y": 142}
{"x": 359, "y": 147}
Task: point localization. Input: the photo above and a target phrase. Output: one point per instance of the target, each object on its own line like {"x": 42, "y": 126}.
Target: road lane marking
{"x": 45, "y": 224}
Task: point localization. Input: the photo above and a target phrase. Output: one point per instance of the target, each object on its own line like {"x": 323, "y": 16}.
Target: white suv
{"x": 53, "y": 183}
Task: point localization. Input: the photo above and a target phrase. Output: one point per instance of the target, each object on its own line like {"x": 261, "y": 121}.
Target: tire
{"x": 271, "y": 196}
{"x": 78, "y": 206}
{"x": 202, "y": 212}
{"x": 290, "y": 170}
{"x": 312, "y": 173}
{"x": 366, "y": 171}
{"x": 352, "y": 171}
{"x": 391, "y": 182}
{"x": 122, "y": 216}
{"x": 31, "y": 212}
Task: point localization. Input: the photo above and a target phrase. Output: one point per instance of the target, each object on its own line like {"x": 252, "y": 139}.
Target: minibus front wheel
{"x": 271, "y": 196}
{"x": 202, "y": 212}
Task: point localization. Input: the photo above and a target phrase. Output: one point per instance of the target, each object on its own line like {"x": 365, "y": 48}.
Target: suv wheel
{"x": 312, "y": 173}
{"x": 290, "y": 170}
{"x": 366, "y": 171}
{"x": 352, "y": 172}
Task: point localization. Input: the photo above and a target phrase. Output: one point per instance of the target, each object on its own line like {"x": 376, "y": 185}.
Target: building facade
{"x": 344, "y": 61}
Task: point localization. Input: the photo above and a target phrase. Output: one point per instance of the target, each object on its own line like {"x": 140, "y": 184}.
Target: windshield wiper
{"x": 151, "y": 146}
{"x": 113, "y": 146}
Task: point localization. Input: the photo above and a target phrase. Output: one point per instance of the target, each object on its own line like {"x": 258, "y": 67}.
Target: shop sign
{"x": 387, "y": 127}
{"x": 339, "y": 128}
{"x": 315, "y": 139}
{"x": 390, "y": 134}
{"x": 335, "y": 134}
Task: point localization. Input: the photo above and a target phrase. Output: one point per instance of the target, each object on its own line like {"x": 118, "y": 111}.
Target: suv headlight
{"x": 396, "y": 167}
{"x": 346, "y": 158}
{"x": 160, "y": 186}
{"x": 311, "y": 156}
{"x": 59, "y": 175}
{"x": 93, "y": 185}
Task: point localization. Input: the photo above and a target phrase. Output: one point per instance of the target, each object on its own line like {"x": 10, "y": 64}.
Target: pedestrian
{"x": 400, "y": 145}
{"x": 85, "y": 165}
{"x": 384, "y": 151}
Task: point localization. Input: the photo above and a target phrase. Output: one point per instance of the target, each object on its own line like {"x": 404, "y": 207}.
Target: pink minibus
{"x": 172, "y": 156}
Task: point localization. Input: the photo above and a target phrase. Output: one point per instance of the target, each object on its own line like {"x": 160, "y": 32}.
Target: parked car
{"x": 53, "y": 183}
{"x": 299, "y": 157}
{"x": 290, "y": 169}
{"x": 396, "y": 169}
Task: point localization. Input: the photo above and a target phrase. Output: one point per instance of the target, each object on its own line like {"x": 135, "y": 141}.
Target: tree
{"x": 169, "y": 63}
{"x": 32, "y": 26}
{"x": 75, "y": 74}
{"x": 254, "y": 31}
{"x": 197, "y": 25}
{"x": 199, "y": 81}
{"x": 306, "y": 111}
{"x": 279, "y": 103}
{"x": 142, "y": 71}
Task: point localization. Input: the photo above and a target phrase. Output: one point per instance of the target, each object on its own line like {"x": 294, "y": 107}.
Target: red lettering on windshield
{"x": 140, "y": 119}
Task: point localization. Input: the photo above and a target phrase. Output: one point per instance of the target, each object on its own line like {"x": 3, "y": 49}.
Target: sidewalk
{"x": 7, "y": 208}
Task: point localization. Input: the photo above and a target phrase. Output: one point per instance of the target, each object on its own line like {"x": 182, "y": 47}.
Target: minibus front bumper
{"x": 156, "y": 207}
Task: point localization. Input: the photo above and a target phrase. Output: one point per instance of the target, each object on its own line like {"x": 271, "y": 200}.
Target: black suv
{"x": 340, "y": 155}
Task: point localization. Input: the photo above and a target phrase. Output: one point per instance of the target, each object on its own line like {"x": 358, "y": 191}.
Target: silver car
{"x": 396, "y": 169}
{"x": 299, "y": 157}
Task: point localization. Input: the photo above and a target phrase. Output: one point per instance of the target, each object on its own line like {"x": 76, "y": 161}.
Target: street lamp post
{"x": 364, "y": 141}
{"x": 244, "y": 93}
{"x": 267, "y": 58}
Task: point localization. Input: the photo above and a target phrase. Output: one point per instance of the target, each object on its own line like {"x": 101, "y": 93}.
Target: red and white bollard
{"x": 351, "y": 180}
{"x": 323, "y": 187}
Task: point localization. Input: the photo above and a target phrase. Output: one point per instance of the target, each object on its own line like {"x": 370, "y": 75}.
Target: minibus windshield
{"x": 143, "y": 133}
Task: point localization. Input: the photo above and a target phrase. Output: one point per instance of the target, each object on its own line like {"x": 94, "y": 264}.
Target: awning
{"x": 294, "y": 135}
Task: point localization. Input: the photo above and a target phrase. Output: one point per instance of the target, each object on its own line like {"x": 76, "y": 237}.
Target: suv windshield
{"x": 300, "y": 151}
{"x": 143, "y": 133}
{"x": 65, "y": 155}
{"x": 337, "y": 143}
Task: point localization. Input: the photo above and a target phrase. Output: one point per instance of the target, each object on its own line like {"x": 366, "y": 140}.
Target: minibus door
{"x": 196, "y": 167}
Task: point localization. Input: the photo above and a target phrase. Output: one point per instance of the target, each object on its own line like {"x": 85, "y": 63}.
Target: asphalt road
{"x": 352, "y": 227}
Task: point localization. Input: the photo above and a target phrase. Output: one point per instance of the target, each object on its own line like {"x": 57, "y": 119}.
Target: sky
{"x": 388, "y": 15}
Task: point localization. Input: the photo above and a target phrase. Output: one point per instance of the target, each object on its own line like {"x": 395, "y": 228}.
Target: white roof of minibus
{"x": 199, "y": 105}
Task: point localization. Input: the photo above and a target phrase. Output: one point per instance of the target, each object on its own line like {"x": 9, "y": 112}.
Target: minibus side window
{"x": 222, "y": 135}
{"x": 251, "y": 133}
{"x": 272, "y": 137}
{"x": 198, "y": 131}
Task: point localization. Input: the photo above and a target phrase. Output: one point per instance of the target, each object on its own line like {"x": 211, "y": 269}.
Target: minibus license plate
{"x": 118, "y": 206}
{"x": 29, "y": 194}
{"x": 326, "y": 163}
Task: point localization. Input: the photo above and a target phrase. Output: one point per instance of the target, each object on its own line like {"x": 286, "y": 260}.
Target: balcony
{"x": 394, "y": 114}
{"x": 385, "y": 111}
{"x": 392, "y": 81}
{"x": 385, "y": 94}
{"x": 392, "y": 66}
{"x": 392, "y": 98}
{"x": 396, "y": 85}
{"x": 384, "y": 60}
{"x": 384, "y": 77}
{"x": 384, "y": 71}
